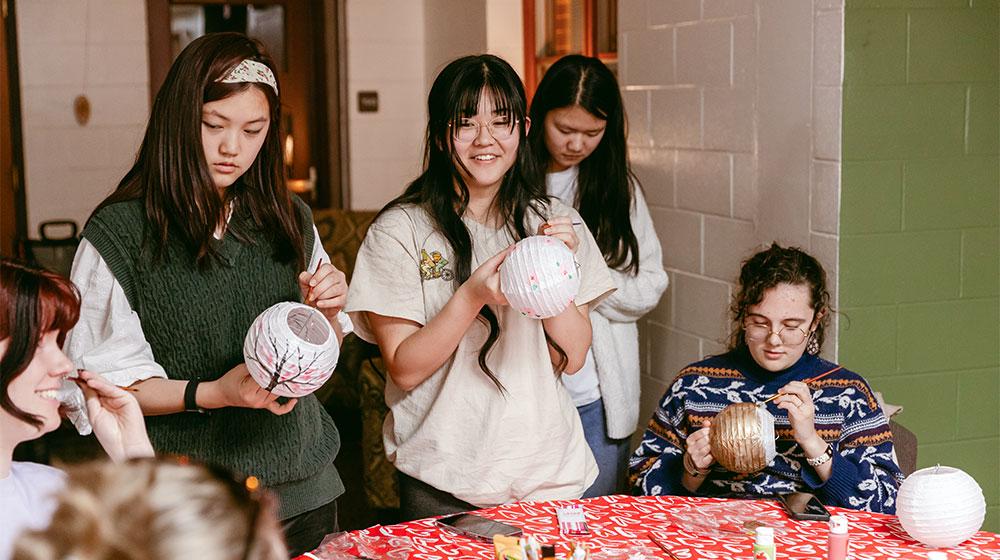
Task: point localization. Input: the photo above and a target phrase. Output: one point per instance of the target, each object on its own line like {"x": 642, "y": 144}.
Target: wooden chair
{"x": 359, "y": 382}
{"x": 905, "y": 443}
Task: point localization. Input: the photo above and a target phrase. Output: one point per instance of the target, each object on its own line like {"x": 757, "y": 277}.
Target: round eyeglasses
{"x": 467, "y": 130}
{"x": 792, "y": 336}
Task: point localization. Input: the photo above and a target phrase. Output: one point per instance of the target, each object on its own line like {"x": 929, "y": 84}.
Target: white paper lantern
{"x": 742, "y": 438}
{"x": 539, "y": 277}
{"x": 291, "y": 349}
{"x": 940, "y": 506}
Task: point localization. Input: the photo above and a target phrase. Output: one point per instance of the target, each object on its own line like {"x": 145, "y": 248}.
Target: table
{"x": 693, "y": 528}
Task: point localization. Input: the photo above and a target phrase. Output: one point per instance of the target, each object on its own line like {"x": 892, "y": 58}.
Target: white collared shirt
{"x": 108, "y": 339}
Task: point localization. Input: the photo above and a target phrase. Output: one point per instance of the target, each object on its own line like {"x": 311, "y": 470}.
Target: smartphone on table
{"x": 804, "y": 507}
{"x": 477, "y": 526}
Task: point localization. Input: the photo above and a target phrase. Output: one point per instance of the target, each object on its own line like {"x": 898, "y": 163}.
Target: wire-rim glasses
{"x": 467, "y": 130}
{"x": 791, "y": 336}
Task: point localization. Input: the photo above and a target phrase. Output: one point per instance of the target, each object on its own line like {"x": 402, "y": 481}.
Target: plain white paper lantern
{"x": 290, "y": 349}
{"x": 539, "y": 277}
{"x": 940, "y": 506}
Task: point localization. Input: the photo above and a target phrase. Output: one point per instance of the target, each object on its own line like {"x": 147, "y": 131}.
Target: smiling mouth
{"x": 485, "y": 157}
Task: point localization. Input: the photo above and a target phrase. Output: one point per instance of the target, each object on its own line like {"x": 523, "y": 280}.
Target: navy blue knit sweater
{"x": 864, "y": 474}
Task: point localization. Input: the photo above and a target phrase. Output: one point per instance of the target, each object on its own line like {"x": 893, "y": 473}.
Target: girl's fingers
{"x": 493, "y": 263}
{"x": 334, "y": 302}
{"x": 329, "y": 288}
{"x": 280, "y": 409}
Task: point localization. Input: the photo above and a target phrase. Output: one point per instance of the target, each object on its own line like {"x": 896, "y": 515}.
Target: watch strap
{"x": 191, "y": 397}
{"x": 823, "y": 458}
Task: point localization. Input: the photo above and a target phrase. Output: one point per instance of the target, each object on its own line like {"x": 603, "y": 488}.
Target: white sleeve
{"x": 317, "y": 258}
{"x": 638, "y": 294}
{"x": 108, "y": 338}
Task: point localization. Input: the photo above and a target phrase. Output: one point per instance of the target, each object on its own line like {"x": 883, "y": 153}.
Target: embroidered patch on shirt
{"x": 433, "y": 266}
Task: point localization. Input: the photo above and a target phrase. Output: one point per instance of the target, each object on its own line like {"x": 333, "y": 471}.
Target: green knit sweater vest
{"x": 195, "y": 320}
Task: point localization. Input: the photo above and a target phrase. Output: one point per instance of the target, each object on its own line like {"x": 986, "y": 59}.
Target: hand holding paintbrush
{"x": 326, "y": 290}
{"x": 807, "y": 382}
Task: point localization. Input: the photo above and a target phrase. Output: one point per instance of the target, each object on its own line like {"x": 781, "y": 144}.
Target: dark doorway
{"x": 13, "y": 226}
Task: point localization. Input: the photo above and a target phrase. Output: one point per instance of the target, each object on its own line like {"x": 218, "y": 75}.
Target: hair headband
{"x": 251, "y": 71}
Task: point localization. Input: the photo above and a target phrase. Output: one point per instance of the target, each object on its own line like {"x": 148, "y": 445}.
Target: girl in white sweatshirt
{"x": 578, "y": 140}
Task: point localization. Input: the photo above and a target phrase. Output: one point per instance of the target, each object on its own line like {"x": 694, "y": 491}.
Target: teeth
{"x": 486, "y": 157}
{"x": 49, "y": 394}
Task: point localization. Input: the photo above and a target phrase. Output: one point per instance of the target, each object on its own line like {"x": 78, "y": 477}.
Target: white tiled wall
{"x": 504, "y": 32}
{"x": 734, "y": 130}
{"x": 96, "y": 48}
{"x": 385, "y": 54}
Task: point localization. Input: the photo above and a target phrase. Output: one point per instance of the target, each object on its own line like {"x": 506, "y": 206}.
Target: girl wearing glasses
{"x": 199, "y": 238}
{"x": 579, "y": 142}
{"x": 38, "y": 307}
{"x": 478, "y": 415}
{"x": 833, "y": 439}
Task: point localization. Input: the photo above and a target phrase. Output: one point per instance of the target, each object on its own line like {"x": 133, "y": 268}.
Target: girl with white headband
{"x": 200, "y": 236}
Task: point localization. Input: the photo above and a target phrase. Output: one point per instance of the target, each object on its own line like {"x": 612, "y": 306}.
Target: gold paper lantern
{"x": 742, "y": 438}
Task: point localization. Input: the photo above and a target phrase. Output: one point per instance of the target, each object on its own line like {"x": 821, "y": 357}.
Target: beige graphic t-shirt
{"x": 456, "y": 431}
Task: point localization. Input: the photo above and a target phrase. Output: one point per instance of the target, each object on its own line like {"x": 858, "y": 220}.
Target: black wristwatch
{"x": 190, "y": 398}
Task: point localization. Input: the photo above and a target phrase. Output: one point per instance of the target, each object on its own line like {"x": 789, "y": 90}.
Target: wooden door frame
{"x": 324, "y": 143}
{"x": 530, "y": 59}
{"x": 13, "y": 208}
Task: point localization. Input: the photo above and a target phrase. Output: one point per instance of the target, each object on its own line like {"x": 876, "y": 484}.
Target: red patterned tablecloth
{"x": 693, "y": 528}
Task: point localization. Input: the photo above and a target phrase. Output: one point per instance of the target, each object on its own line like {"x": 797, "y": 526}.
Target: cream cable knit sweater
{"x": 616, "y": 337}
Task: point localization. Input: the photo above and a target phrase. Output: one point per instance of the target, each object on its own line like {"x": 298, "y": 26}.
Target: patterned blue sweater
{"x": 864, "y": 475}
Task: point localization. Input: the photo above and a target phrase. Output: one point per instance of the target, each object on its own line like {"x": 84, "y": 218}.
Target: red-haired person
{"x": 36, "y": 310}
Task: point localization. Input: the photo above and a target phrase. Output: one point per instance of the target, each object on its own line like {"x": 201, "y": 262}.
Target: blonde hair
{"x": 156, "y": 509}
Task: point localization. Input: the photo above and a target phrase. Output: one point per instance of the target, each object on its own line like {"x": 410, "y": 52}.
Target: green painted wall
{"x": 920, "y": 273}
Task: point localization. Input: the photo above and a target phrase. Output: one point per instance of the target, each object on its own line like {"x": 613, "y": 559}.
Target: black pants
{"x": 418, "y": 500}
{"x": 306, "y": 530}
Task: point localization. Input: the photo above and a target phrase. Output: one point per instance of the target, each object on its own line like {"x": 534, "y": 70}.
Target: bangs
{"x": 58, "y": 305}
{"x": 505, "y": 101}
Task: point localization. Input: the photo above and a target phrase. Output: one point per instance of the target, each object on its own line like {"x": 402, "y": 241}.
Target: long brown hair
{"x": 32, "y": 302}
{"x": 171, "y": 175}
{"x": 455, "y": 94}
{"x": 770, "y": 267}
{"x": 606, "y": 185}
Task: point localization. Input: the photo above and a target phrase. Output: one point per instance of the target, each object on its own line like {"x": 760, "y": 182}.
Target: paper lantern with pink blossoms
{"x": 291, "y": 349}
{"x": 742, "y": 438}
{"x": 539, "y": 277}
{"x": 940, "y": 506}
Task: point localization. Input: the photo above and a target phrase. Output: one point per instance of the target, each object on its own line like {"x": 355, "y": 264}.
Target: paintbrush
{"x": 807, "y": 381}
{"x": 662, "y": 546}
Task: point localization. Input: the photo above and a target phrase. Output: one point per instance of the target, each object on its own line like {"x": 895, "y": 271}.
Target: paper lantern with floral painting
{"x": 291, "y": 349}
{"x": 742, "y": 438}
{"x": 539, "y": 277}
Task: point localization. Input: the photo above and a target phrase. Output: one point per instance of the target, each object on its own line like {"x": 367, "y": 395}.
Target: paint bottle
{"x": 838, "y": 542}
{"x": 763, "y": 546}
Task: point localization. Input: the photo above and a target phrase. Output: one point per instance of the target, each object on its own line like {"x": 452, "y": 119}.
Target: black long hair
{"x": 770, "y": 267}
{"x": 441, "y": 190}
{"x": 33, "y": 302}
{"x": 171, "y": 175}
{"x": 606, "y": 185}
